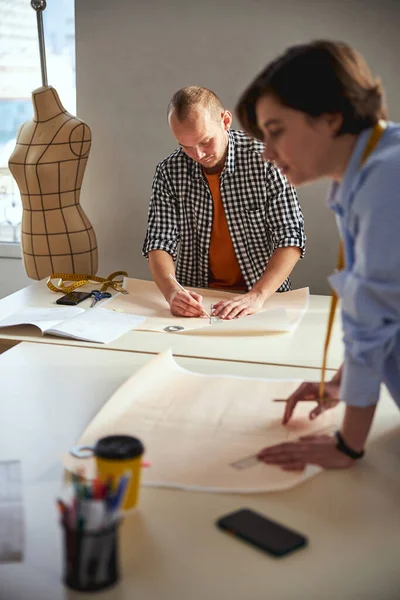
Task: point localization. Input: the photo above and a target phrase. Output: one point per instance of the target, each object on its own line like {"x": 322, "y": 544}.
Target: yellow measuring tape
{"x": 82, "y": 279}
{"x": 371, "y": 144}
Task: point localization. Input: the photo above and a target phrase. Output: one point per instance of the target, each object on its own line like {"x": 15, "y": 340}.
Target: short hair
{"x": 186, "y": 99}
{"x": 316, "y": 78}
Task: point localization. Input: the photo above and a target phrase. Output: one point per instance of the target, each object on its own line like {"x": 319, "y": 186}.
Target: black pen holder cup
{"x": 91, "y": 558}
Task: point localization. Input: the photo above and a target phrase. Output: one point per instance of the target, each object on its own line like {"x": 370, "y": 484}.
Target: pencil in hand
{"x": 187, "y": 293}
{"x": 286, "y": 399}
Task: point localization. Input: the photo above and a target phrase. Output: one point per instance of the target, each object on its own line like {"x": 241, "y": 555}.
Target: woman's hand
{"x": 309, "y": 390}
{"x": 309, "y": 450}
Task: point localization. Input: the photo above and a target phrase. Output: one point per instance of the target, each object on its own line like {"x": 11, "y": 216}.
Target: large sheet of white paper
{"x": 281, "y": 312}
{"x": 11, "y": 515}
{"x": 194, "y": 426}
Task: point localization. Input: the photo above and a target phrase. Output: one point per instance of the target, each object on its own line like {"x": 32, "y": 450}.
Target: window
{"x": 20, "y": 75}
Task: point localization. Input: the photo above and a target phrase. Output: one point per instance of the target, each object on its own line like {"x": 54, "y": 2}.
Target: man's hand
{"x": 184, "y": 304}
{"x": 309, "y": 390}
{"x": 314, "y": 449}
{"x": 239, "y": 306}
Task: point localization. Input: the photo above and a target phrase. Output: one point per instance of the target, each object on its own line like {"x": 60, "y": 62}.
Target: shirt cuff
{"x": 287, "y": 243}
{"x": 149, "y": 246}
{"x": 337, "y": 281}
{"x": 359, "y": 386}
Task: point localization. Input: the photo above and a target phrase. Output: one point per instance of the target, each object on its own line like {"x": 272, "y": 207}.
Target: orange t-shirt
{"x": 223, "y": 264}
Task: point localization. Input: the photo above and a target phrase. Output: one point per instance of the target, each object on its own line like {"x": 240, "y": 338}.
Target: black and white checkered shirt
{"x": 261, "y": 209}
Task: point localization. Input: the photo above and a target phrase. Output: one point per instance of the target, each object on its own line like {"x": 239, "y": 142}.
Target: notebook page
{"x": 97, "y": 325}
{"x": 43, "y": 318}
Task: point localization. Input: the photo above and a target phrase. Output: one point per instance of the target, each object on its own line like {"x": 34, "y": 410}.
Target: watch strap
{"x": 343, "y": 447}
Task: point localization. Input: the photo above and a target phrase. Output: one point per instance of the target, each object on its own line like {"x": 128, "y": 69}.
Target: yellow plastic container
{"x": 118, "y": 455}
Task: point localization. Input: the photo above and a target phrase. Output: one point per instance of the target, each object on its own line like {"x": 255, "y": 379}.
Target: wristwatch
{"x": 343, "y": 447}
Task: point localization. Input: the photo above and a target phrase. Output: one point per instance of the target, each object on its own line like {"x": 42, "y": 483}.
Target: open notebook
{"x": 91, "y": 325}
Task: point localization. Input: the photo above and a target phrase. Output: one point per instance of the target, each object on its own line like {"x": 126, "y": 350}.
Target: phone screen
{"x": 262, "y": 532}
{"x": 73, "y": 298}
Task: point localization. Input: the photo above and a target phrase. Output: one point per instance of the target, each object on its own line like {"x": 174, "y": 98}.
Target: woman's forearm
{"x": 356, "y": 425}
{"x": 337, "y": 378}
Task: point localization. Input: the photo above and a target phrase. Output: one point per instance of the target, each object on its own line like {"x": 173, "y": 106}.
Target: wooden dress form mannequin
{"x": 48, "y": 164}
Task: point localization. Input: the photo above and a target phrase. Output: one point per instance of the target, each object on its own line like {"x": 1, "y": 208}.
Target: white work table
{"x": 170, "y": 547}
{"x": 303, "y": 347}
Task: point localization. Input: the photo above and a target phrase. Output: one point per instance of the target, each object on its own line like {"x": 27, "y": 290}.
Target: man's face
{"x": 203, "y": 136}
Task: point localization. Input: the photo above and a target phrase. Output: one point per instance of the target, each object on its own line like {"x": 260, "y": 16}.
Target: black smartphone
{"x": 267, "y": 535}
{"x": 73, "y": 298}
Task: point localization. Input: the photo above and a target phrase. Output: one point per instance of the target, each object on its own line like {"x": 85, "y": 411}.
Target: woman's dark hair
{"x": 317, "y": 78}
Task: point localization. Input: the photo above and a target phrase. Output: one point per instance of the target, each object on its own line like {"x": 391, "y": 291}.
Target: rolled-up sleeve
{"x": 284, "y": 216}
{"x": 370, "y": 290}
{"x": 163, "y": 227}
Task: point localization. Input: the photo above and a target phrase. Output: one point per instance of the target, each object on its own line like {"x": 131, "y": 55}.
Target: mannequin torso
{"x": 48, "y": 164}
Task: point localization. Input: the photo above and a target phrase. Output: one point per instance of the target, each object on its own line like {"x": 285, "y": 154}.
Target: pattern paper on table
{"x": 281, "y": 312}
{"x": 195, "y": 426}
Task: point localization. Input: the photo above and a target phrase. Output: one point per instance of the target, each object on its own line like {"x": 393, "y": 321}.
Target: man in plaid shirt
{"x": 235, "y": 218}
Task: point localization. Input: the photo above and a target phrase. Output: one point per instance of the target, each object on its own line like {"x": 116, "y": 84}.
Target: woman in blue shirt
{"x": 321, "y": 114}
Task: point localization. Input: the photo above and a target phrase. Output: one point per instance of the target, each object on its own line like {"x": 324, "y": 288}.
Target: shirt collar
{"x": 338, "y": 191}
{"x": 196, "y": 170}
{"x": 230, "y": 157}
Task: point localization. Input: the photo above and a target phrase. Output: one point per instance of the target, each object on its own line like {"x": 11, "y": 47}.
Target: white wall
{"x": 12, "y": 276}
{"x": 133, "y": 55}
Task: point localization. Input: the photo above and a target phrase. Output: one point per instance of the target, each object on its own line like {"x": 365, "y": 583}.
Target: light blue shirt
{"x": 367, "y": 206}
